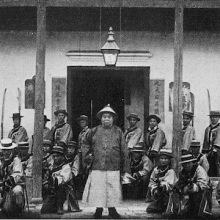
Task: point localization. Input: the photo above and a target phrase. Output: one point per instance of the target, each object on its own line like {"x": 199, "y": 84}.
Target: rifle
{"x": 3, "y": 109}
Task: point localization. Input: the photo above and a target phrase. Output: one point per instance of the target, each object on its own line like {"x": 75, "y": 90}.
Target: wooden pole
{"x": 39, "y": 102}
{"x": 177, "y": 94}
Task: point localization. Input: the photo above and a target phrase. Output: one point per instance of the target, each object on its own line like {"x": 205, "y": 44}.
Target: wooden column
{"x": 39, "y": 102}
{"x": 177, "y": 94}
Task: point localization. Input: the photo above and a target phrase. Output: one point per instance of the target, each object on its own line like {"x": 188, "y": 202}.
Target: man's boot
{"x": 113, "y": 213}
{"x": 98, "y": 213}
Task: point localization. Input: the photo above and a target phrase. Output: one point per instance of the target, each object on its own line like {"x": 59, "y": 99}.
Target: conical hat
{"x": 106, "y": 109}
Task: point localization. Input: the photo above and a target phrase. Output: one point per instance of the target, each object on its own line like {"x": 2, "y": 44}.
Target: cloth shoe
{"x": 98, "y": 213}
{"x": 113, "y": 213}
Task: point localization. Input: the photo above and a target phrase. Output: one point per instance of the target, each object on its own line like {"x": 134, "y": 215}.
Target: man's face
{"x": 152, "y": 123}
{"x": 137, "y": 155}
{"x": 61, "y": 117}
{"x": 164, "y": 160}
{"x": 17, "y": 122}
{"x": 58, "y": 158}
{"x": 214, "y": 119}
{"x": 132, "y": 122}
{"x": 83, "y": 123}
{"x": 107, "y": 119}
{"x": 6, "y": 153}
{"x": 71, "y": 151}
{"x": 46, "y": 148}
{"x": 186, "y": 120}
{"x": 23, "y": 151}
{"x": 194, "y": 151}
{"x": 188, "y": 166}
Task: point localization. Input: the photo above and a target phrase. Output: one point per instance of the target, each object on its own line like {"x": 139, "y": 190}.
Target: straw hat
{"x": 48, "y": 142}
{"x": 187, "y": 158}
{"x": 7, "y": 144}
{"x": 23, "y": 144}
{"x": 72, "y": 144}
{"x": 63, "y": 111}
{"x": 58, "y": 149}
{"x": 137, "y": 148}
{"x": 195, "y": 143}
{"x": 189, "y": 114}
{"x": 166, "y": 152}
{"x": 106, "y": 109}
{"x": 133, "y": 115}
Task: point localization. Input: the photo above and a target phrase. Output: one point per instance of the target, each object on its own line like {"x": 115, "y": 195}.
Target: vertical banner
{"x": 58, "y": 95}
{"x": 157, "y": 98}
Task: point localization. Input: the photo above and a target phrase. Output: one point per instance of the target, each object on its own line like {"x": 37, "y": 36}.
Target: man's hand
{"x": 136, "y": 175}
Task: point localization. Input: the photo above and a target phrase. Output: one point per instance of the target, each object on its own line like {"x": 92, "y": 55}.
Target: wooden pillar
{"x": 177, "y": 94}
{"x": 39, "y": 103}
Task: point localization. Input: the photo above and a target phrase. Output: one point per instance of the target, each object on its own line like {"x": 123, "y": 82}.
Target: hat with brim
{"x": 133, "y": 115}
{"x": 58, "y": 150}
{"x": 17, "y": 115}
{"x": 63, "y": 111}
{"x": 72, "y": 144}
{"x": 166, "y": 152}
{"x": 46, "y": 119}
{"x": 187, "y": 158}
{"x": 82, "y": 117}
{"x": 189, "y": 114}
{"x": 48, "y": 142}
{"x": 137, "y": 149}
{"x": 214, "y": 113}
{"x": 157, "y": 118}
{"x": 195, "y": 143}
{"x": 23, "y": 144}
{"x": 7, "y": 144}
{"x": 107, "y": 109}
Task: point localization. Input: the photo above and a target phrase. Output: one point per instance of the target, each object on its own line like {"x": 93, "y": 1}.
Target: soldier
{"x": 133, "y": 135}
{"x": 82, "y": 146}
{"x": 188, "y": 132}
{"x": 46, "y": 129}
{"x": 58, "y": 183}
{"x": 154, "y": 139}
{"x": 211, "y": 143}
{"x": 193, "y": 190}
{"x": 61, "y": 131}
{"x": 141, "y": 167}
{"x": 73, "y": 159}
{"x": 201, "y": 158}
{"x": 18, "y": 133}
{"x": 11, "y": 180}
{"x": 162, "y": 181}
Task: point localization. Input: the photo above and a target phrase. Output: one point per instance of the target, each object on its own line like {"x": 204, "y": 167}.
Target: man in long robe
{"x": 61, "y": 131}
{"x": 188, "y": 132}
{"x": 211, "y": 144}
{"x": 18, "y": 133}
{"x": 108, "y": 157}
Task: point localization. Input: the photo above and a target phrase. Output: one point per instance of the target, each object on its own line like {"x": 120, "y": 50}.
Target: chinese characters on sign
{"x": 58, "y": 95}
{"x": 157, "y": 98}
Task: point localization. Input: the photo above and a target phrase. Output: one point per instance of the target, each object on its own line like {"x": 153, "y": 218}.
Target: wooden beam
{"x": 39, "y": 102}
{"x": 113, "y": 3}
{"x": 177, "y": 93}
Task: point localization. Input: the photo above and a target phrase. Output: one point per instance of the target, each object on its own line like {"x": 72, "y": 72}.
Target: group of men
{"x": 151, "y": 177}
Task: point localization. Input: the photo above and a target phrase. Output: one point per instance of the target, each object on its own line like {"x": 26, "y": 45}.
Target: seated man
{"x": 162, "y": 180}
{"x": 11, "y": 180}
{"x": 58, "y": 185}
{"x": 141, "y": 167}
{"x": 194, "y": 190}
{"x": 72, "y": 158}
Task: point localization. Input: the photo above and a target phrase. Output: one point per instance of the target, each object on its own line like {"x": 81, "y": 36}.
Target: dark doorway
{"x": 89, "y": 89}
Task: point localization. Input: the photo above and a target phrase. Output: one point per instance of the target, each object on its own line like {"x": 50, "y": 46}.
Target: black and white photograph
{"x": 110, "y": 109}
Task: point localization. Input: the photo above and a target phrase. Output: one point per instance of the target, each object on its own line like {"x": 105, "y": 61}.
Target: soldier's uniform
{"x": 18, "y": 134}
{"x": 12, "y": 181}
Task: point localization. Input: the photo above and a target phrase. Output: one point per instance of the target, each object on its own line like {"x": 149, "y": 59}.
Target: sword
{"x": 3, "y": 109}
{"x": 19, "y": 100}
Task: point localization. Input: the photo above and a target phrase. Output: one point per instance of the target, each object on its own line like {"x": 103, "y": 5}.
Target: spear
{"x": 19, "y": 100}
{"x": 3, "y": 109}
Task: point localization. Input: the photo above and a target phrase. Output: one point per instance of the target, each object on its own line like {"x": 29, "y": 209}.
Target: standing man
{"x": 18, "y": 133}
{"x": 61, "y": 131}
{"x": 188, "y": 132}
{"x": 109, "y": 156}
{"x": 155, "y": 138}
{"x": 211, "y": 144}
{"x": 46, "y": 129}
{"x": 133, "y": 135}
{"x": 82, "y": 146}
